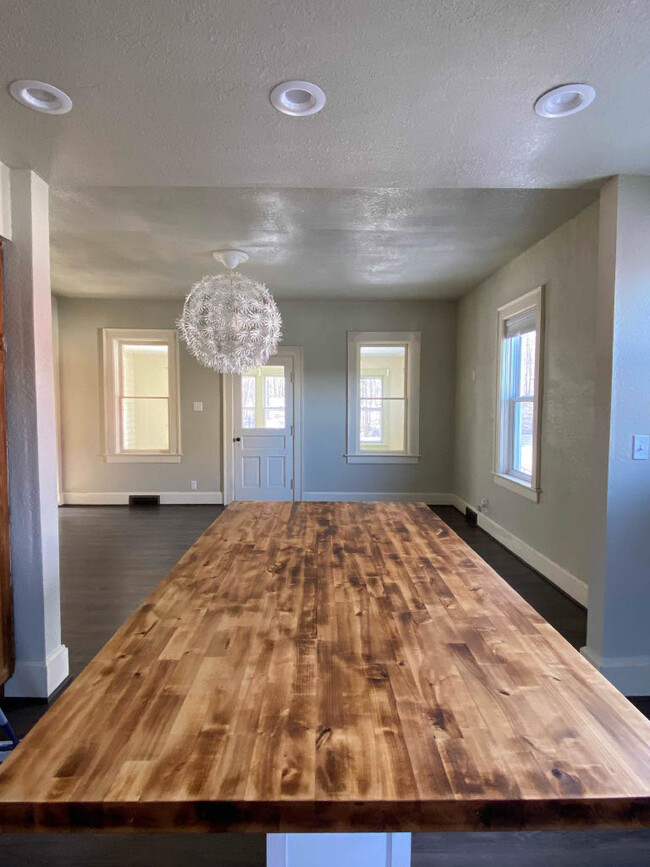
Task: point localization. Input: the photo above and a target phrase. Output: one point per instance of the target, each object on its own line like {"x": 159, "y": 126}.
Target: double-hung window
{"x": 383, "y": 397}
{"x": 518, "y": 391}
{"x": 141, "y": 395}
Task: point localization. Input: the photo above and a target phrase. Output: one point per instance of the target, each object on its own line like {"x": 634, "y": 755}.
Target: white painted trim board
{"x": 430, "y": 499}
{"x": 38, "y": 678}
{"x": 629, "y": 674}
{"x": 121, "y": 498}
{"x": 573, "y": 586}
{"x": 391, "y": 849}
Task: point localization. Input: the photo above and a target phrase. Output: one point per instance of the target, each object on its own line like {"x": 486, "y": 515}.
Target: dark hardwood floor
{"x": 569, "y": 618}
{"x": 112, "y": 557}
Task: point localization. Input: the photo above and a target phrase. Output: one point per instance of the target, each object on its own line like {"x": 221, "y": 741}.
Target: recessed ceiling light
{"x": 565, "y": 100}
{"x": 40, "y": 96}
{"x": 297, "y": 98}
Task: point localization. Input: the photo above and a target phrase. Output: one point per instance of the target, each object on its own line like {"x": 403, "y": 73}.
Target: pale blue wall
{"x": 619, "y": 600}
{"x": 321, "y": 327}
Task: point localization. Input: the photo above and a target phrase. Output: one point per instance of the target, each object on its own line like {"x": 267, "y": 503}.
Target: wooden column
{"x": 7, "y": 657}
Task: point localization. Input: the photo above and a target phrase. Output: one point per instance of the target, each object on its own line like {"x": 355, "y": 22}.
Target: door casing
{"x": 228, "y": 425}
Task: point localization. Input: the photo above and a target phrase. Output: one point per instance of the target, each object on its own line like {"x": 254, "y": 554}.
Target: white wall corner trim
{"x": 378, "y": 497}
{"x": 629, "y": 674}
{"x": 5, "y": 202}
{"x": 39, "y": 678}
{"x": 121, "y": 498}
{"x": 575, "y": 587}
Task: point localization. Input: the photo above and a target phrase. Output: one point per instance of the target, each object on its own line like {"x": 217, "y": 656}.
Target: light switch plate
{"x": 198, "y": 406}
{"x": 640, "y": 445}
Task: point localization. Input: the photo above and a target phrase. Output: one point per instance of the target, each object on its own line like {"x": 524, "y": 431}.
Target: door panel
{"x": 263, "y": 431}
{"x": 277, "y": 467}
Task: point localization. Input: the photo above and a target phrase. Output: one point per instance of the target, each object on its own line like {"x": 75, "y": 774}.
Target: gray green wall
{"x": 320, "y": 327}
{"x": 618, "y": 637}
{"x": 558, "y": 527}
{"x": 84, "y": 469}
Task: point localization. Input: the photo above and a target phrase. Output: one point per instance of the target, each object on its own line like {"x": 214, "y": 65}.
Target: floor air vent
{"x": 471, "y": 516}
{"x": 144, "y": 500}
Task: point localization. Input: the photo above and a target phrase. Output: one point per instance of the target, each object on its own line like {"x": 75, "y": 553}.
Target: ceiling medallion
{"x": 230, "y": 323}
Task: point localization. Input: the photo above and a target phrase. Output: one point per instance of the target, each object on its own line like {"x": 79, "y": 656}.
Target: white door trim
{"x": 228, "y": 425}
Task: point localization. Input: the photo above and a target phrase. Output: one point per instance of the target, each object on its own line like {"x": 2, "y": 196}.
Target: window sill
{"x": 517, "y": 486}
{"x": 143, "y": 459}
{"x": 382, "y": 459}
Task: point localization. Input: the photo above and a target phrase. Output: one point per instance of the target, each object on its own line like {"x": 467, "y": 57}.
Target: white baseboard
{"x": 377, "y": 497}
{"x": 629, "y": 674}
{"x": 456, "y": 501}
{"x": 121, "y": 498}
{"x": 574, "y": 587}
{"x": 39, "y": 678}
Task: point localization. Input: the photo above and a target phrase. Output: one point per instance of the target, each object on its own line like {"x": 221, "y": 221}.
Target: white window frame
{"x": 411, "y": 341}
{"x": 503, "y": 474}
{"x": 112, "y": 339}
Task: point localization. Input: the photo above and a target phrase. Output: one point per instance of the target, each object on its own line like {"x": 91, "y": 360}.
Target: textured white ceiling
{"x": 150, "y": 242}
{"x": 421, "y": 93}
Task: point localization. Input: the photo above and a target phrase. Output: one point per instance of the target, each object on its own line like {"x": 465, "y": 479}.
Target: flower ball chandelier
{"x": 230, "y": 322}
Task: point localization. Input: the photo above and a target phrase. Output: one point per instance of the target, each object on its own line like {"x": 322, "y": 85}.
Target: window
{"x": 263, "y": 397}
{"x": 519, "y": 389}
{"x": 141, "y": 395}
{"x": 383, "y": 397}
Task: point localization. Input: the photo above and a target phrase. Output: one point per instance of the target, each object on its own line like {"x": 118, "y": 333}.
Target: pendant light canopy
{"x": 230, "y": 323}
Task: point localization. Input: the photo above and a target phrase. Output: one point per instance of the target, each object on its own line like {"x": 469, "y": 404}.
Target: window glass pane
{"x": 145, "y": 424}
{"x": 523, "y": 437}
{"x": 527, "y": 363}
{"x": 387, "y": 363}
{"x": 274, "y": 418}
{"x": 145, "y": 370}
{"x": 274, "y": 391}
{"x": 248, "y": 392}
{"x": 263, "y": 397}
{"x": 371, "y": 426}
{"x": 381, "y": 425}
{"x": 372, "y": 386}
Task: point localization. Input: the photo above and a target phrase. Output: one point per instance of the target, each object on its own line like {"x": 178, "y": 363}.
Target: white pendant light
{"x": 230, "y": 323}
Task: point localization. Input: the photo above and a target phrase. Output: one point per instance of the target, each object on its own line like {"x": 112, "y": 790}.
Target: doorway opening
{"x": 262, "y": 430}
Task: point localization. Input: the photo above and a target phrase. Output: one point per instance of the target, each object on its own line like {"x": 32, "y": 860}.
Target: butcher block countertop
{"x": 332, "y": 666}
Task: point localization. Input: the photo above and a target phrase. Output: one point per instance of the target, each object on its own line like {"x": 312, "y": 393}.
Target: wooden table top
{"x": 333, "y": 666}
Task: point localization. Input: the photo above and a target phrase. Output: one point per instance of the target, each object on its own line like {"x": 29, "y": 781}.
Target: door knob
{"x": 236, "y": 439}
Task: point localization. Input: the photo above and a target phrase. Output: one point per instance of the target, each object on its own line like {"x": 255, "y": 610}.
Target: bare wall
{"x": 321, "y": 328}
{"x": 566, "y": 261}
{"x": 318, "y": 326}
{"x": 84, "y": 467}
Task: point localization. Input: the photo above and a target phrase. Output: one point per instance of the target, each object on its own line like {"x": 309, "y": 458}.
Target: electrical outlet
{"x": 193, "y": 485}
{"x": 485, "y": 504}
{"x": 640, "y": 447}
{"x": 198, "y": 406}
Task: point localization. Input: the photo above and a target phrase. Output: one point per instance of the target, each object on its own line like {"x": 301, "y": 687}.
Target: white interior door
{"x": 264, "y": 431}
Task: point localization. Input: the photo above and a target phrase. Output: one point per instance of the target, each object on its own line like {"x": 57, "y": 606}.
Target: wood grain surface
{"x": 333, "y": 666}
